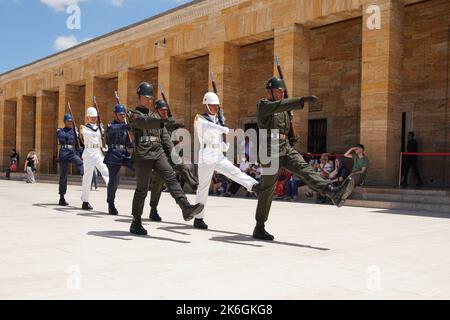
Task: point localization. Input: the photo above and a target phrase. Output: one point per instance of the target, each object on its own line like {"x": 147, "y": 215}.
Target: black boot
{"x": 154, "y": 216}
{"x": 340, "y": 194}
{"x": 86, "y": 206}
{"x": 189, "y": 211}
{"x": 113, "y": 210}
{"x": 257, "y": 189}
{"x": 260, "y": 233}
{"x": 137, "y": 228}
{"x": 63, "y": 202}
{"x": 200, "y": 224}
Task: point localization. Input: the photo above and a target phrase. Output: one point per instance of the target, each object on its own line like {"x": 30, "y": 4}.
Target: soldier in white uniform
{"x": 92, "y": 155}
{"x": 209, "y": 134}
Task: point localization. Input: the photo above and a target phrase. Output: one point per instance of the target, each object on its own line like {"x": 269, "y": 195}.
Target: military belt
{"x": 279, "y": 136}
{"x": 67, "y": 146}
{"x": 118, "y": 146}
{"x": 149, "y": 139}
{"x": 92, "y": 146}
{"x": 212, "y": 146}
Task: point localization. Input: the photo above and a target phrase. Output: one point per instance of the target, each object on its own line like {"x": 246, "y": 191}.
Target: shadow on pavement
{"x": 126, "y": 236}
{"x": 233, "y": 237}
{"x": 70, "y": 209}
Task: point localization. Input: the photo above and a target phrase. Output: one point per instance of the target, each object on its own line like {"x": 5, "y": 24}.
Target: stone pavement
{"x": 321, "y": 252}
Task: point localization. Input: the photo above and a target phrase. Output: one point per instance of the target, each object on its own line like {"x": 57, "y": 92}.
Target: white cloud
{"x": 117, "y": 3}
{"x": 63, "y": 43}
{"x": 59, "y": 5}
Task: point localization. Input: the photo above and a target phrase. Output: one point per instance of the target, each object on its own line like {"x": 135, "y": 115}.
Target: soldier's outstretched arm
{"x": 146, "y": 122}
{"x": 272, "y": 107}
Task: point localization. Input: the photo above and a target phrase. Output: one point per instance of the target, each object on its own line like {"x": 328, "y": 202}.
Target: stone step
{"x": 418, "y": 197}
{"x": 407, "y": 206}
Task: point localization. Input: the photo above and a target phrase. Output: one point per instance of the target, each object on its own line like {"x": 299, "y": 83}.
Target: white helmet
{"x": 211, "y": 98}
{"x": 91, "y": 112}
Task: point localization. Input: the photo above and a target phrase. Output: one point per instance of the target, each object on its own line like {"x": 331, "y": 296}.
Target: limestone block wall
{"x": 426, "y": 84}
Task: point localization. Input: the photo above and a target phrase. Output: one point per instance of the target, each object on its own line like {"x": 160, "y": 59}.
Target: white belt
{"x": 211, "y": 146}
{"x": 92, "y": 146}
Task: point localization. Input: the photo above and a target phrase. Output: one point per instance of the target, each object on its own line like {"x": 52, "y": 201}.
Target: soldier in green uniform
{"x": 274, "y": 113}
{"x": 153, "y": 148}
{"x": 183, "y": 171}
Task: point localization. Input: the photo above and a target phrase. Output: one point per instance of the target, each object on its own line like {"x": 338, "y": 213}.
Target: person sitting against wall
{"x": 340, "y": 172}
{"x": 324, "y": 167}
{"x": 360, "y": 164}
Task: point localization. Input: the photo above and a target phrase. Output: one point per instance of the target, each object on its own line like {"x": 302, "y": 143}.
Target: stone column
{"x": 171, "y": 75}
{"x": 76, "y": 97}
{"x": 382, "y": 53}
{"x": 128, "y": 82}
{"x": 46, "y": 107}
{"x": 25, "y": 139}
{"x": 292, "y": 47}
{"x": 7, "y": 131}
{"x": 224, "y": 61}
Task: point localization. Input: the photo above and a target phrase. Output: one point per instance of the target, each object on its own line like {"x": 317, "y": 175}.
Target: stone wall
{"x": 197, "y": 81}
{"x": 335, "y": 77}
{"x": 426, "y": 84}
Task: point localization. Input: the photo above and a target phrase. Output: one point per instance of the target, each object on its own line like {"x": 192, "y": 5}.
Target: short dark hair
{"x": 361, "y": 146}
{"x": 411, "y": 134}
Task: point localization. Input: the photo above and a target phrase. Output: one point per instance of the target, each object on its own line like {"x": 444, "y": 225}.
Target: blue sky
{"x": 33, "y": 29}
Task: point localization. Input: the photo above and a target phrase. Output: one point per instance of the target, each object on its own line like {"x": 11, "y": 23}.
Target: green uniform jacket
{"x": 149, "y": 124}
{"x": 274, "y": 115}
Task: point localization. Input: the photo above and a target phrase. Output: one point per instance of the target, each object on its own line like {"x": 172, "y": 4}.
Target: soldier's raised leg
{"x": 295, "y": 163}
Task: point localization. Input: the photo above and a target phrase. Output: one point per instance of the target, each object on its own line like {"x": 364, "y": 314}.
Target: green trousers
{"x": 295, "y": 163}
{"x": 144, "y": 173}
{"x": 157, "y": 186}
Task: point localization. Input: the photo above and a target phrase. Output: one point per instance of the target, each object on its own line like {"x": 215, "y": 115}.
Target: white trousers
{"x": 90, "y": 162}
{"x": 224, "y": 167}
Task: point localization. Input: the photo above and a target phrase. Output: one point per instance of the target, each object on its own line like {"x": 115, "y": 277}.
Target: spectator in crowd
{"x": 410, "y": 162}
{"x": 292, "y": 188}
{"x": 223, "y": 185}
{"x": 257, "y": 169}
{"x": 360, "y": 164}
{"x": 215, "y": 186}
{"x": 283, "y": 179}
{"x": 31, "y": 165}
{"x": 13, "y": 163}
{"x": 340, "y": 173}
{"x": 324, "y": 168}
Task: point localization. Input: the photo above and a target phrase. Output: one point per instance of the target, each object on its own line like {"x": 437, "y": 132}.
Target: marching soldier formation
{"x": 148, "y": 129}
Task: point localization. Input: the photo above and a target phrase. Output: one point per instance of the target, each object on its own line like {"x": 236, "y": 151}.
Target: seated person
{"x": 360, "y": 164}
{"x": 340, "y": 173}
{"x": 324, "y": 167}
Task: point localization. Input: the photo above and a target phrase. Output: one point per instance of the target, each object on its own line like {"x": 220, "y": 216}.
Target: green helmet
{"x": 145, "y": 89}
{"x": 275, "y": 83}
{"x": 161, "y": 104}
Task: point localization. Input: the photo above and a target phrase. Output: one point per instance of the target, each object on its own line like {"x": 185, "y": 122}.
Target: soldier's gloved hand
{"x": 226, "y": 130}
{"x": 293, "y": 141}
{"x": 225, "y": 147}
{"x": 309, "y": 99}
{"x": 132, "y": 116}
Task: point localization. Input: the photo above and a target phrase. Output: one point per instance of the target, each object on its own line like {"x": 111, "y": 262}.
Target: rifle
{"x": 77, "y": 140}
{"x": 126, "y": 118}
{"x": 163, "y": 95}
{"x": 100, "y": 126}
{"x": 221, "y": 114}
{"x": 292, "y": 135}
